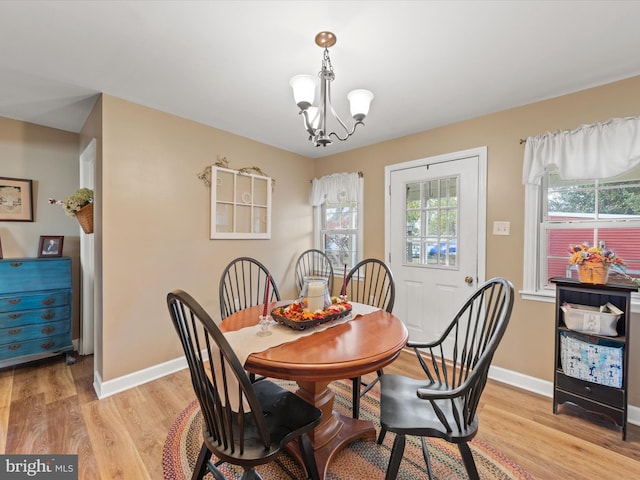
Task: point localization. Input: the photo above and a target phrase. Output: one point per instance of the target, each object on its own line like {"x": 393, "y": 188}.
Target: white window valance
{"x": 596, "y": 151}
{"x": 336, "y": 188}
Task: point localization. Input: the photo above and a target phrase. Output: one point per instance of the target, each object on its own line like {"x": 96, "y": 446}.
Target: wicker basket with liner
{"x": 593, "y": 272}
{"x": 85, "y": 218}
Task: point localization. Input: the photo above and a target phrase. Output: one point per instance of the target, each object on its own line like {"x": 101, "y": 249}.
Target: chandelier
{"x": 315, "y": 118}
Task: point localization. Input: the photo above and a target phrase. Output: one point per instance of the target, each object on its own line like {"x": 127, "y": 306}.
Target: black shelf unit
{"x": 593, "y": 397}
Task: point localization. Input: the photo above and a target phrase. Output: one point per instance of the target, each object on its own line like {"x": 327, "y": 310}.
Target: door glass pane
{"x": 431, "y": 231}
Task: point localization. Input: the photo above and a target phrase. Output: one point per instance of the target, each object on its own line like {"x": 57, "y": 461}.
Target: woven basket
{"x": 593, "y": 272}
{"x": 85, "y": 218}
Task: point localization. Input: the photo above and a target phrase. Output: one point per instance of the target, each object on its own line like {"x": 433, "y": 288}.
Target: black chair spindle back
{"x": 243, "y": 284}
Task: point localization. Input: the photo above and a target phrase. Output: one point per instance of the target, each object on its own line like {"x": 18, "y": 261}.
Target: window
{"x": 337, "y": 202}
{"x": 431, "y": 212}
{"x": 339, "y": 234}
{"x": 572, "y": 212}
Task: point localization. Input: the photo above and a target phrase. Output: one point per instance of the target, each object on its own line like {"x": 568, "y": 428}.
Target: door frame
{"x": 481, "y": 234}
{"x": 87, "y": 164}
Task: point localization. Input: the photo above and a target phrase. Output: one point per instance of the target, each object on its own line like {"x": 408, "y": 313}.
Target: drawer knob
{"x": 47, "y": 346}
{"x": 16, "y": 264}
{"x": 14, "y": 301}
{"x": 15, "y": 331}
{"x": 48, "y": 301}
{"x": 48, "y": 316}
{"x": 13, "y": 316}
{"x": 587, "y": 389}
{"x": 15, "y": 347}
{"x": 49, "y": 330}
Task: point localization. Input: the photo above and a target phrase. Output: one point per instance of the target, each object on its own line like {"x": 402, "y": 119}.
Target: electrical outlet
{"x": 501, "y": 228}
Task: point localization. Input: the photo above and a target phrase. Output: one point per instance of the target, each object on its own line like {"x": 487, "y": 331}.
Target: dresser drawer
{"x": 593, "y": 391}
{"x": 31, "y": 274}
{"x": 31, "y": 332}
{"x": 39, "y": 316}
{"x": 47, "y": 345}
{"x": 32, "y": 301}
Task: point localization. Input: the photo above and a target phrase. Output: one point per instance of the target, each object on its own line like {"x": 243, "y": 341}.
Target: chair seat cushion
{"x": 401, "y": 410}
{"x": 286, "y": 416}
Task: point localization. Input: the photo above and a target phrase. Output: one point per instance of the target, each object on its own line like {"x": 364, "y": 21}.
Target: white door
{"x": 435, "y": 237}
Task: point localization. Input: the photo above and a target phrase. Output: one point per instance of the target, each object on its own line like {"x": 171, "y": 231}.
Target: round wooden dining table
{"x": 351, "y": 349}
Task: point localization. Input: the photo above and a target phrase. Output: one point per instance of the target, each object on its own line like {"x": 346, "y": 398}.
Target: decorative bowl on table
{"x": 296, "y": 315}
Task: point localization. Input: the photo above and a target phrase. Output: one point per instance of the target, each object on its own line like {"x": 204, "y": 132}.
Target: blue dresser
{"x": 35, "y": 308}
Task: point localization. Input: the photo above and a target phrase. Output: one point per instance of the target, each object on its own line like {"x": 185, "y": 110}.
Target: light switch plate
{"x": 501, "y": 228}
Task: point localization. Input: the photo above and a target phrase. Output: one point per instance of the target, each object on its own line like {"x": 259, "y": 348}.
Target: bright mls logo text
{"x": 52, "y": 467}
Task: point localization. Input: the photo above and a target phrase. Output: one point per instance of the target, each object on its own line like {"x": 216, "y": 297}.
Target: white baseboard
{"x": 519, "y": 380}
{"x": 120, "y": 384}
{"x": 544, "y": 387}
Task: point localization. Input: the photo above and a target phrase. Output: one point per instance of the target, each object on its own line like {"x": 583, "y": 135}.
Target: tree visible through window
{"x": 339, "y": 233}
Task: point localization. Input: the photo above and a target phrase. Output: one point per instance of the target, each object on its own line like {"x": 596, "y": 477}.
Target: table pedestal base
{"x": 334, "y": 432}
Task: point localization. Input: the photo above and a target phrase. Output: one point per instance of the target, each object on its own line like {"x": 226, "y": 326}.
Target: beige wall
{"x": 528, "y": 344}
{"x": 155, "y": 226}
{"x": 154, "y": 212}
{"x": 49, "y": 158}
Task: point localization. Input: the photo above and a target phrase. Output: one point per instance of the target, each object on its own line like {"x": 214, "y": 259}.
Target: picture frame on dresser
{"x": 16, "y": 200}
{"x": 50, "y": 246}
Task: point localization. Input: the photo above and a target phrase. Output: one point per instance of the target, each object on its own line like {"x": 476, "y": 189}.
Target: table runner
{"x": 245, "y": 341}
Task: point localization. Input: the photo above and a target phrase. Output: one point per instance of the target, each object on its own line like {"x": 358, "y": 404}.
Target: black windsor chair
{"x": 444, "y": 404}
{"x": 245, "y": 424}
{"x": 314, "y": 263}
{"x": 243, "y": 284}
{"x": 369, "y": 282}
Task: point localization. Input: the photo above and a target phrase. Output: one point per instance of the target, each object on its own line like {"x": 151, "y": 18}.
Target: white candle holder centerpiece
{"x": 316, "y": 291}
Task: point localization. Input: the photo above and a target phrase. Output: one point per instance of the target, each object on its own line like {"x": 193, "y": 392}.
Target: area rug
{"x": 360, "y": 460}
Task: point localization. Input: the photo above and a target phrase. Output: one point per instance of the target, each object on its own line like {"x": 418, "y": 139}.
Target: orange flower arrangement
{"x": 581, "y": 254}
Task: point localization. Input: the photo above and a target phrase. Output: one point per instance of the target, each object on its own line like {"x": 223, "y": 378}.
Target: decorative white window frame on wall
{"x": 240, "y": 205}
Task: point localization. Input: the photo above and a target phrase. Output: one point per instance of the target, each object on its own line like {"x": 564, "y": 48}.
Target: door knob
{"x": 468, "y": 279}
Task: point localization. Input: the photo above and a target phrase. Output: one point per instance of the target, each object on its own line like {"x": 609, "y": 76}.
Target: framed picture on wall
{"x": 16, "y": 200}
{"x": 50, "y": 246}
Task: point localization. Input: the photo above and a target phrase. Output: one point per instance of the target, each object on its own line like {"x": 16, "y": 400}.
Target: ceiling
{"x": 227, "y": 64}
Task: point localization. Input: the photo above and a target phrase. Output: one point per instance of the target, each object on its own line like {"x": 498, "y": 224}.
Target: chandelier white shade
{"x": 359, "y": 103}
{"x": 315, "y": 117}
{"x": 304, "y": 90}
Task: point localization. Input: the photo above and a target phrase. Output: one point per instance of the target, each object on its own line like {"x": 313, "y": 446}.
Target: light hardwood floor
{"x": 49, "y": 407}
